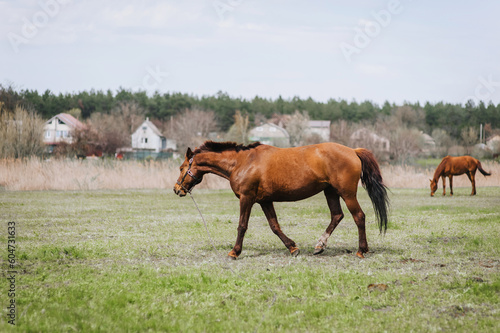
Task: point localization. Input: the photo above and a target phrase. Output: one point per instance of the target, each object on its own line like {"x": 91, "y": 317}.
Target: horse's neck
{"x": 220, "y": 163}
{"x": 439, "y": 171}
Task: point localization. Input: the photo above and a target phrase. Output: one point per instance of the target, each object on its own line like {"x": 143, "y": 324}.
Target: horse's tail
{"x": 480, "y": 168}
{"x": 371, "y": 179}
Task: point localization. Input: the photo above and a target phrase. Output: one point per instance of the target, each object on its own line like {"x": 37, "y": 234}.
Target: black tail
{"x": 371, "y": 179}
{"x": 479, "y": 167}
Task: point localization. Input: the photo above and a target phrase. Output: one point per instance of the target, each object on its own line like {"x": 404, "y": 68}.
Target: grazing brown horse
{"x": 453, "y": 166}
{"x": 263, "y": 174}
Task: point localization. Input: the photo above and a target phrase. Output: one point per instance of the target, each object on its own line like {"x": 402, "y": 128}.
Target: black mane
{"x": 216, "y": 147}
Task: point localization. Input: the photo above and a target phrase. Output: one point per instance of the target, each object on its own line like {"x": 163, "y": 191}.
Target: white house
{"x": 148, "y": 137}
{"x": 59, "y": 129}
{"x": 270, "y": 134}
{"x": 321, "y": 128}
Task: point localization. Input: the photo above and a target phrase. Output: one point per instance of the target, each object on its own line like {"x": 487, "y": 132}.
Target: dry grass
{"x": 34, "y": 174}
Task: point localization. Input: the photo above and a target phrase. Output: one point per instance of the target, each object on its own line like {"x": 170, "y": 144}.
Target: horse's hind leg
{"x": 270, "y": 213}
{"x": 450, "y": 177}
{"x": 359, "y": 219}
{"x": 444, "y": 185}
{"x": 333, "y": 200}
{"x": 472, "y": 178}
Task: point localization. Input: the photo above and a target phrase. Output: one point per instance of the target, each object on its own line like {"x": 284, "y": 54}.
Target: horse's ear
{"x": 430, "y": 180}
{"x": 189, "y": 153}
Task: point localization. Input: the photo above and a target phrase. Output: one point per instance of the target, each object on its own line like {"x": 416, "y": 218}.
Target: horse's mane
{"x": 217, "y": 147}
{"x": 440, "y": 168}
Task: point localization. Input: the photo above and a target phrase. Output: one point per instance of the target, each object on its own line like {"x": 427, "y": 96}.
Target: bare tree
{"x": 405, "y": 143}
{"x": 191, "y": 128}
{"x": 21, "y": 133}
{"x": 341, "y": 131}
{"x": 443, "y": 142}
{"x": 131, "y": 113}
{"x": 469, "y": 136}
{"x": 409, "y": 117}
{"x": 239, "y": 130}
{"x": 297, "y": 126}
{"x": 110, "y": 132}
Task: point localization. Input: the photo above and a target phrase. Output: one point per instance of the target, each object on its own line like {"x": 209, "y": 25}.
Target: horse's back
{"x": 458, "y": 165}
{"x": 295, "y": 173}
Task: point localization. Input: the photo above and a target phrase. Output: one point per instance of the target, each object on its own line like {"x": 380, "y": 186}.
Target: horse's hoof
{"x": 318, "y": 250}
{"x": 232, "y": 255}
{"x": 360, "y": 255}
{"x": 294, "y": 251}
{"x": 231, "y": 258}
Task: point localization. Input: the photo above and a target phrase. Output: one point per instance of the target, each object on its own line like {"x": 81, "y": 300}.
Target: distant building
{"x": 59, "y": 129}
{"x": 321, "y": 128}
{"x": 270, "y": 134}
{"x": 367, "y": 139}
{"x": 147, "y": 137}
{"x": 493, "y": 143}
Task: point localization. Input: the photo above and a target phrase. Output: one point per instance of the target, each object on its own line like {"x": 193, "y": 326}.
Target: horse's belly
{"x": 291, "y": 190}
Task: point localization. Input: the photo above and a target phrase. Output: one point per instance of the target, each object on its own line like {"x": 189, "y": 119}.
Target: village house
{"x": 270, "y": 134}
{"x": 59, "y": 129}
{"x": 147, "y": 139}
{"x": 368, "y": 139}
{"x": 320, "y": 128}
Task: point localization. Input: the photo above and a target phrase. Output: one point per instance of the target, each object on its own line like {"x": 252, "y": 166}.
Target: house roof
{"x": 279, "y": 128}
{"x": 68, "y": 120}
{"x": 155, "y": 129}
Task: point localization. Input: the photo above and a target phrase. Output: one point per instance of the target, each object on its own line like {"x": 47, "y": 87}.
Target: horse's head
{"x": 189, "y": 176}
{"x": 434, "y": 186}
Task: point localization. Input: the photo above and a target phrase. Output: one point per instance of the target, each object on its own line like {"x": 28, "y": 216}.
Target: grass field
{"x": 141, "y": 260}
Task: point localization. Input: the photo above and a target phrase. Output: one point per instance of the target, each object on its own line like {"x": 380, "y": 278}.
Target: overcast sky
{"x": 405, "y": 50}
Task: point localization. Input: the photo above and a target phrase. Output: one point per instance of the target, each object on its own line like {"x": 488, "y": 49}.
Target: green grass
{"x": 141, "y": 260}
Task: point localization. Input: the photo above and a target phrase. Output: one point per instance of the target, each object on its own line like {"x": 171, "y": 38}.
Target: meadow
{"x": 140, "y": 260}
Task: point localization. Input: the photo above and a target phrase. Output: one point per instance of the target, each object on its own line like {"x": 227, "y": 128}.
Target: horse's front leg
{"x": 270, "y": 213}
{"x": 444, "y": 184}
{"x": 245, "y": 210}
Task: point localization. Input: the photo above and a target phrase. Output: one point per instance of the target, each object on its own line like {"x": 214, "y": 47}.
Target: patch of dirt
{"x": 377, "y": 286}
{"x": 456, "y": 311}
{"x": 405, "y": 261}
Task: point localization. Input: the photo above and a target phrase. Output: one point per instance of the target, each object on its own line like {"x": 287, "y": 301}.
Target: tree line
{"x": 452, "y": 118}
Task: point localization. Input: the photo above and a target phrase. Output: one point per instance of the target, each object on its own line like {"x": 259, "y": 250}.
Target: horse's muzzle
{"x": 179, "y": 191}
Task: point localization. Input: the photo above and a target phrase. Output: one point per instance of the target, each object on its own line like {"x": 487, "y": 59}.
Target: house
{"x": 319, "y": 127}
{"x": 493, "y": 144}
{"x": 270, "y": 134}
{"x": 59, "y": 128}
{"x": 367, "y": 139}
{"x": 148, "y": 138}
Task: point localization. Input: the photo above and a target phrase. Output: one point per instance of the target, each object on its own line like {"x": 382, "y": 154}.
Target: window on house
{"x": 47, "y": 134}
{"x": 65, "y": 134}
{"x": 58, "y": 134}
{"x": 260, "y": 129}
{"x": 146, "y": 140}
{"x": 272, "y": 129}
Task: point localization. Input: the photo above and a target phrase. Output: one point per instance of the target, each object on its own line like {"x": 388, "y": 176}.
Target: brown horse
{"x": 263, "y": 174}
{"x": 453, "y": 166}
